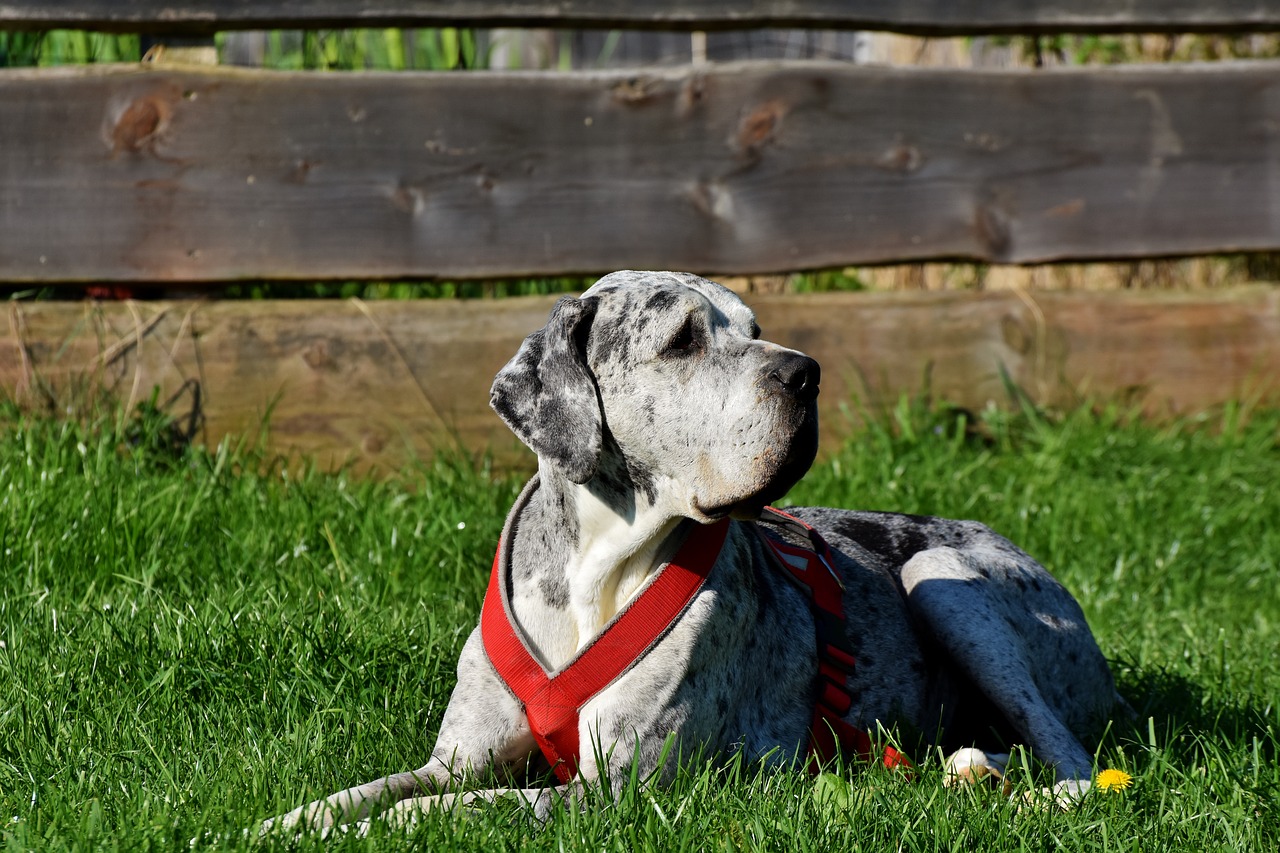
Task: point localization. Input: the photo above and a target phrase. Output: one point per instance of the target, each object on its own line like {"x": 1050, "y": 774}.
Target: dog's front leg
{"x": 483, "y": 727}
{"x": 540, "y": 802}
{"x": 350, "y": 805}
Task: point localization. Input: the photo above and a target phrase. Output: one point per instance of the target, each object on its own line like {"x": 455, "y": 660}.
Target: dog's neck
{"x": 615, "y": 542}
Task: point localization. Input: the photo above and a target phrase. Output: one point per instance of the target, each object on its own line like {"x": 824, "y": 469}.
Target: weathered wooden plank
{"x": 341, "y": 380}
{"x": 949, "y": 17}
{"x": 377, "y": 383}
{"x": 129, "y": 173}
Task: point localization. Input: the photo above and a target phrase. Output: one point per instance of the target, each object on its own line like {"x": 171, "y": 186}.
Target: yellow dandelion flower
{"x": 1113, "y": 780}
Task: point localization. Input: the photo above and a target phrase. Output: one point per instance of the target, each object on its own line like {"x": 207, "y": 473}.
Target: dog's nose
{"x": 798, "y": 375}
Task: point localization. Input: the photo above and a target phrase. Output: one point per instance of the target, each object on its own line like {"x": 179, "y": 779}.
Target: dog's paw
{"x": 972, "y": 767}
{"x": 1064, "y": 796}
{"x": 300, "y": 821}
{"x": 406, "y": 813}
{"x": 276, "y": 826}
{"x": 537, "y": 802}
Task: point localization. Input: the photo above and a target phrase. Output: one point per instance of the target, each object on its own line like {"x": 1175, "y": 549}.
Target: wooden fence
{"x": 198, "y": 175}
{"x": 171, "y": 174}
{"x": 374, "y": 383}
{"x": 935, "y": 17}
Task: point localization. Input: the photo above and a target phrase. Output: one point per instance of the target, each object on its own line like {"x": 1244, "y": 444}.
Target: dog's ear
{"x": 547, "y": 395}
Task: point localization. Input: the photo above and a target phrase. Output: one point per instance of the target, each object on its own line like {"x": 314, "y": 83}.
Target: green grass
{"x": 325, "y": 50}
{"x": 66, "y": 47}
{"x": 194, "y": 640}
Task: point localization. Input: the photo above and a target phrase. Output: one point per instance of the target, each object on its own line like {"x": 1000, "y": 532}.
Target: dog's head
{"x": 657, "y": 383}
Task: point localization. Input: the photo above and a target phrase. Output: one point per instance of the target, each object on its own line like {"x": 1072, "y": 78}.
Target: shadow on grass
{"x": 1175, "y": 713}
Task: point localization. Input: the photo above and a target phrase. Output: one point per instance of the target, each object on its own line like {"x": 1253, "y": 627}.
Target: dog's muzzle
{"x": 791, "y": 380}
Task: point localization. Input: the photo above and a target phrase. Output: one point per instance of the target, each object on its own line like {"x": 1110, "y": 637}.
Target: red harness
{"x": 812, "y": 569}
{"x": 552, "y": 701}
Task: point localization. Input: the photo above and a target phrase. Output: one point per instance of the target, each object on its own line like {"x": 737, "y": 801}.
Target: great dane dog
{"x": 654, "y": 406}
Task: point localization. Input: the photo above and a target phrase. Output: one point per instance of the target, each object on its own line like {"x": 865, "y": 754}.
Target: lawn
{"x": 191, "y": 640}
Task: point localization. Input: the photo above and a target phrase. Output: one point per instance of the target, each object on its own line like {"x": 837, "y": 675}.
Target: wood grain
{"x": 376, "y": 384}
{"x": 127, "y": 173}
{"x": 932, "y": 17}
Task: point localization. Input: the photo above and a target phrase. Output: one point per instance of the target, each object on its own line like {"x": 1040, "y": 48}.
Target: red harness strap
{"x": 813, "y": 571}
{"x": 551, "y": 702}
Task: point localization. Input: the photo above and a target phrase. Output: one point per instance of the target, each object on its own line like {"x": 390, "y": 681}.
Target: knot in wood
{"x": 992, "y": 227}
{"x": 317, "y": 356}
{"x": 408, "y": 199}
{"x": 140, "y": 124}
{"x": 901, "y": 158}
{"x": 634, "y": 90}
{"x": 759, "y": 126}
{"x": 1016, "y": 336}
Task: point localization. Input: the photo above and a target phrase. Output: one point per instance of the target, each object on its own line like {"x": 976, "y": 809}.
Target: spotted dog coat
{"x": 650, "y": 400}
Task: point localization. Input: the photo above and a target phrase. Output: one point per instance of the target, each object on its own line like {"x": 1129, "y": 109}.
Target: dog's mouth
{"x": 747, "y": 510}
{"x": 776, "y": 470}
{"x": 779, "y": 475}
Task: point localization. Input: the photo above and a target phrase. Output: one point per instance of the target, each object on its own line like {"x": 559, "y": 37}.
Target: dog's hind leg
{"x": 988, "y": 628}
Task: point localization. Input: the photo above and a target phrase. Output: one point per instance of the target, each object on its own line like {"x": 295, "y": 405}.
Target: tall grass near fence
{"x": 286, "y": 50}
{"x": 193, "y": 640}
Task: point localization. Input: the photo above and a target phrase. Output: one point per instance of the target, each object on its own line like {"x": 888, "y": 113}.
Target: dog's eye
{"x": 685, "y": 341}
